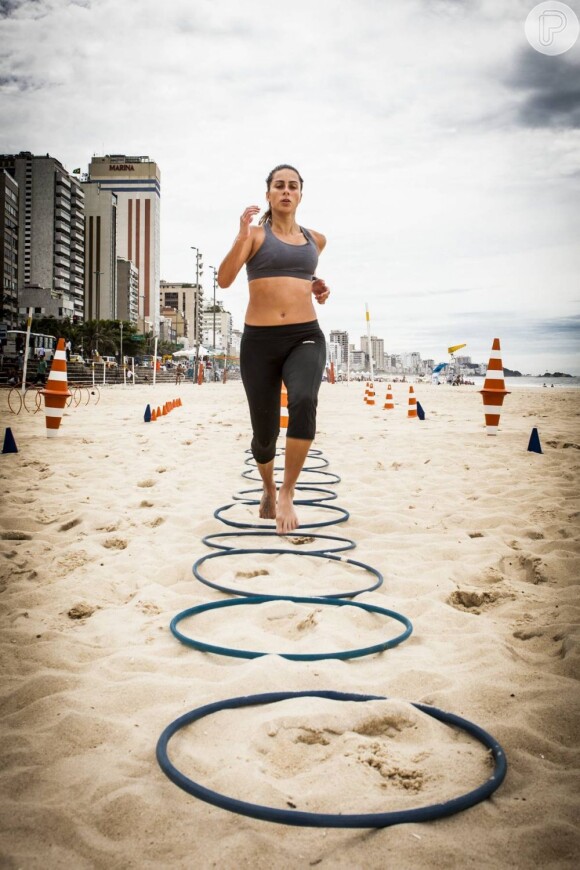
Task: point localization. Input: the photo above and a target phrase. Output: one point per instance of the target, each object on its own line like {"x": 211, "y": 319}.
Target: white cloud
{"x": 445, "y": 185}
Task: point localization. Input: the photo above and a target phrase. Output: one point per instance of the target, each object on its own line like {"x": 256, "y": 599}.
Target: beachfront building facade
{"x": 376, "y": 349}
{"x": 188, "y": 299}
{"x": 136, "y": 182}
{"x": 51, "y": 254}
{"x": 9, "y": 249}
{"x": 217, "y": 326}
{"x": 101, "y": 301}
{"x": 339, "y": 337}
{"x": 127, "y": 291}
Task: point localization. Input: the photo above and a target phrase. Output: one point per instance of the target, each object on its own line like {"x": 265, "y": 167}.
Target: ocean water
{"x": 532, "y": 383}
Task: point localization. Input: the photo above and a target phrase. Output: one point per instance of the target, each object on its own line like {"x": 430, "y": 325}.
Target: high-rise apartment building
{"x": 340, "y": 337}
{"x": 376, "y": 348}
{"x": 51, "y": 233}
{"x": 100, "y": 253}
{"x": 9, "y": 249}
{"x": 127, "y": 291}
{"x": 217, "y": 324}
{"x": 188, "y": 299}
{"x": 136, "y": 181}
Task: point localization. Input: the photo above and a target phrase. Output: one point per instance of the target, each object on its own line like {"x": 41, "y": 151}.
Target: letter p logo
{"x": 552, "y": 27}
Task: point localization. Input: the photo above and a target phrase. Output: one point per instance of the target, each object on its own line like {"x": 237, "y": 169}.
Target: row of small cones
{"x": 412, "y": 410}
{"x": 151, "y": 415}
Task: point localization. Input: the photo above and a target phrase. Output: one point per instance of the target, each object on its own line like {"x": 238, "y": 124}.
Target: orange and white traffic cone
{"x": 389, "y": 404}
{"x": 284, "y": 409}
{"x": 412, "y": 411}
{"x": 493, "y": 389}
{"x": 367, "y": 392}
{"x": 371, "y": 395}
{"x": 56, "y": 391}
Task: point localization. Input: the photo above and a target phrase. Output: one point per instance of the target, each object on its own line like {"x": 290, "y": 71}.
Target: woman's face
{"x": 284, "y": 194}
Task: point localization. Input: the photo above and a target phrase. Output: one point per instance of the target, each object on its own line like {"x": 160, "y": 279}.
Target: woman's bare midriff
{"x": 277, "y": 301}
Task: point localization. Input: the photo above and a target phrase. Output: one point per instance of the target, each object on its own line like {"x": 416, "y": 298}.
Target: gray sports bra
{"x": 276, "y": 259}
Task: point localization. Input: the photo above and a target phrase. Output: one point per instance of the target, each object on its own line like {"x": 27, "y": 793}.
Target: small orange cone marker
{"x": 56, "y": 391}
{"x": 412, "y": 411}
{"x": 153, "y": 415}
{"x": 493, "y": 389}
{"x": 284, "y": 408}
{"x": 389, "y": 404}
{"x": 158, "y": 412}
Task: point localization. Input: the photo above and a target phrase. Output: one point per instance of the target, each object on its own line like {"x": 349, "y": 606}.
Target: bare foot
{"x": 286, "y": 519}
{"x": 268, "y": 504}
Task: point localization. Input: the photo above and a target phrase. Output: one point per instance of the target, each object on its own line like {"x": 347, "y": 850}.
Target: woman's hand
{"x": 320, "y": 290}
{"x": 246, "y": 220}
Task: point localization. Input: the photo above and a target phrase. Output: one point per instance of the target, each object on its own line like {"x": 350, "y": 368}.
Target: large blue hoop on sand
{"x": 295, "y": 657}
{"x": 330, "y": 557}
{"x": 341, "y": 516}
{"x": 321, "y": 494}
{"x": 335, "y": 544}
{"x": 329, "y": 476}
{"x": 323, "y": 463}
{"x": 332, "y": 820}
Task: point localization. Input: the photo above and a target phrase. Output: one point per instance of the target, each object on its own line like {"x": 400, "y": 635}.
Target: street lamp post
{"x": 198, "y": 274}
{"x": 214, "y": 270}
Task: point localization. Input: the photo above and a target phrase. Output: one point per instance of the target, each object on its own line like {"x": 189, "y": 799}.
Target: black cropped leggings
{"x": 295, "y": 354}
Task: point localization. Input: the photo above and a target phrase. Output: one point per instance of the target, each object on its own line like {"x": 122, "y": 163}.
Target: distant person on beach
{"x": 282, "y": 340}
{"x": 179, "y": 374}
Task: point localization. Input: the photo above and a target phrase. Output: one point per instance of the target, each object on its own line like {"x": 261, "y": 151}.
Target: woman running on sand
{"x": 282, "y": 339}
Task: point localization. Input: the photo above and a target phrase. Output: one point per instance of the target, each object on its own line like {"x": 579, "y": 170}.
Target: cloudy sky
{"x": 440, "y": 151}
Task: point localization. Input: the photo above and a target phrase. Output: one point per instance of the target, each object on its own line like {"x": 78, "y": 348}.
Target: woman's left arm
{"x": 319, "y": 287}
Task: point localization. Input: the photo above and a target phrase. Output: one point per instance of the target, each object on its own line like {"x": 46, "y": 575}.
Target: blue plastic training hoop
{"x": 329, "y": 476}
{"x": 320, "y": 494}
{"x": 328, "y": 543}
{"x": 341, "y": 516}
{"x": 296, "y": 657}
{"x": 323, "y": 463}
{"x": 331, "y": 820}
{"x": 330, "y": 557}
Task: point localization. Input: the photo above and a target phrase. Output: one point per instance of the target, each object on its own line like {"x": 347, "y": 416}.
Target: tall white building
{"x": 51, "y": 237}
{"x": 339, "y": 337}
{"x": 136, "y": 181}
{"x": 376, "y": 348}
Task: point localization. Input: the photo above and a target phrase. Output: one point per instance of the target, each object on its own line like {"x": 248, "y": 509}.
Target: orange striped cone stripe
{"x": 371, "y": 395}
{"x": 284, "y": 407}
{"x": 389, "y": 404}
{"x": 412, "y": 412}
{"x": 56, "y": 391}
{"x": 494, "y": 390}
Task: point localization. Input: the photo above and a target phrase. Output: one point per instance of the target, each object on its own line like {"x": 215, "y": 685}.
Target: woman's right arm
{"x": 240, "y": 251}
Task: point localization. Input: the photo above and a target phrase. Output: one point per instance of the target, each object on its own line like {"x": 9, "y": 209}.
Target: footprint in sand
{"x": 69, "y": 525}
{"x": 526, "y": 569}
{"x": 156, "y": 522}
{"x": 146, "y": 483}
{"x": 476, "y": 601}
{"x": 146, "y": 504}
{"x": 115, "y": 544}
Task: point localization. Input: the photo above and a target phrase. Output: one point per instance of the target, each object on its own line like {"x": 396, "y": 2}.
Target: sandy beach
{"x": 477, "y": 540}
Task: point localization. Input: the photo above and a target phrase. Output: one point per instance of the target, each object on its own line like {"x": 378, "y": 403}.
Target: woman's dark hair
{"x": 267, "y": 216}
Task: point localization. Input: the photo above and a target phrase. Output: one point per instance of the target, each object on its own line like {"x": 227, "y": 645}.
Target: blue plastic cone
{"x": 9, "y": 442}
{"x": 534, "y": 446}
{"x": 420, "y": 411}
{"x": 147, "y": 415}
